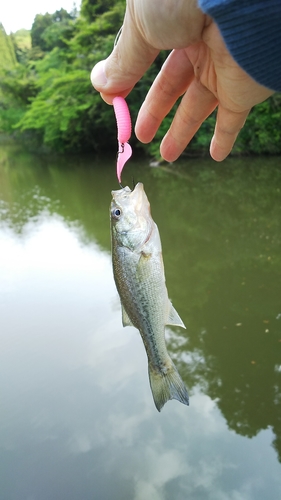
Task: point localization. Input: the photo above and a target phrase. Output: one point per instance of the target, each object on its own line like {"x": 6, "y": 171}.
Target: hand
{"x": 208, "y": 77}
{"x": 200, "y": 68}
{"x": 148, "y": 27}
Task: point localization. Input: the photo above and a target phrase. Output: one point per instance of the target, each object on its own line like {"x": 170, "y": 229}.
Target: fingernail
{"x": 98, "y": 77}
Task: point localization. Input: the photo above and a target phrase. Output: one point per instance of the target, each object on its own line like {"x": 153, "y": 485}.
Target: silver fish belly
{"x": 140, "y": 280}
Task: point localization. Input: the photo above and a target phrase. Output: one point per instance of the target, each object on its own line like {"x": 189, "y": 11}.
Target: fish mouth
{"x": 125, "y": 191}
{"x": 124, "y": 196}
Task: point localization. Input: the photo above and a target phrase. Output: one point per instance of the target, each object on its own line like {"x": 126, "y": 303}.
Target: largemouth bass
{"x": 140, "y": 280}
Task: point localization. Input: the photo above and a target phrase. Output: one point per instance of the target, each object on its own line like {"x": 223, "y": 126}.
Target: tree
{"x": 40, "y": 24}
{"x": 91, "y": 9}
{"x": 7, "y": 52}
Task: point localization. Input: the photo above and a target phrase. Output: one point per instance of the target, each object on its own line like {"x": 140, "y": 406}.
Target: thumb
{"x": 127, "y": 63}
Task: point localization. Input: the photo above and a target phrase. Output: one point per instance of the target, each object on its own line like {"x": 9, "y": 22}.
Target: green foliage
{"x": 22, "y": 44}
{"x": 61, "y": 108}
{"x": 61, "y": 30}
{"x": 22, "y": 39}
{"x": 19, "y": 83}
{"x": 40, "y": 24}
{"x": 7, "y": 52}
{"x": 11, "y": 107}
{"x": 91, "y": 9}
{"x": 52, "y": 30}
{"x": 60, "y": 112}
{"x": 262, "y": 133}
{"x": 45, "y": 89}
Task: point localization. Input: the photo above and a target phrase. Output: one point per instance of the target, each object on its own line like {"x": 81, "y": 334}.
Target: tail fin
{"x": 167, "y": 385}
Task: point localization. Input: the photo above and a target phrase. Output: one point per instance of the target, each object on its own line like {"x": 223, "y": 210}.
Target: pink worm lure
{"x": 124, "y": 129}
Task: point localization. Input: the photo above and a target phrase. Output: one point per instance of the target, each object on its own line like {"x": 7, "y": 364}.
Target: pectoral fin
{"x": 173, "y": 317}
{"x": 125, "y": 318}
{"x": 142, "y": 267}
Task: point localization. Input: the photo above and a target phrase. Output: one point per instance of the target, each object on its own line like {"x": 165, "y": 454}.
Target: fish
{"x": 139, "y": 276}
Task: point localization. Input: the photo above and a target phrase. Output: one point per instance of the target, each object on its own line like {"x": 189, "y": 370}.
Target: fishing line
{"x": 118, "y": 36}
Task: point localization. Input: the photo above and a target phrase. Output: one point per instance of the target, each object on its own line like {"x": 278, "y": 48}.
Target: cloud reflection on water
{"x": 78, "y": 419}
{"x": 76, "y": 397}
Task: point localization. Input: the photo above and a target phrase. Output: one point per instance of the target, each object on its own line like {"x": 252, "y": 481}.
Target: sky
{"x": 17, "y": 14}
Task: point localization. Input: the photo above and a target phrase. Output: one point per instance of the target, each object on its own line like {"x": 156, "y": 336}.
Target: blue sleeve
{"x": 252, "y": 33}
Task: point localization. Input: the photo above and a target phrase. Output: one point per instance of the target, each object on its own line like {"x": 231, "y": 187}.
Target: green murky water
{"x": 77, "y": 415}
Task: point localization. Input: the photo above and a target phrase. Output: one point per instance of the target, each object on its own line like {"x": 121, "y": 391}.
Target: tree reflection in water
{"x": 220, "y": 230}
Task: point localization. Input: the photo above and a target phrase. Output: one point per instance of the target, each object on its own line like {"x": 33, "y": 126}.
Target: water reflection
{"x": 77, "y": 419}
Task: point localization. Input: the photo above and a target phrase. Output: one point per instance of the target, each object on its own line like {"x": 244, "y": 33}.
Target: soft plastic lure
{"x": 124, "y": 129}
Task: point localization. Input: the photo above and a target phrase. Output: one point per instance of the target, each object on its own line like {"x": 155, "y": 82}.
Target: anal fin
{"x": 125, "y": 318}
{"x": 173, "y": 317}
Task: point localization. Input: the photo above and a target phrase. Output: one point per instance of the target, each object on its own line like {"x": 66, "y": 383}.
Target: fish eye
{"x": 116, "y": 212}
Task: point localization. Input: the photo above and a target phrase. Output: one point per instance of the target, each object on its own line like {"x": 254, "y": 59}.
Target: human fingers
{"x": 228, "y": 126}
{"x": 236, "y": 91}
{"x": 148, "y": 27}
{"x": 130, "y": 59}
{"x": 196, "y": 105}
{"x": 172, "y": 81}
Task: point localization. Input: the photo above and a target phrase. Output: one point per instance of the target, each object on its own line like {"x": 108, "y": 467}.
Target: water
{"x": 77, "y": 415}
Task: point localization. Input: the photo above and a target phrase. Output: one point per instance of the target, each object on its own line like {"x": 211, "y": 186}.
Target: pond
{"x": 77, "y": 414}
